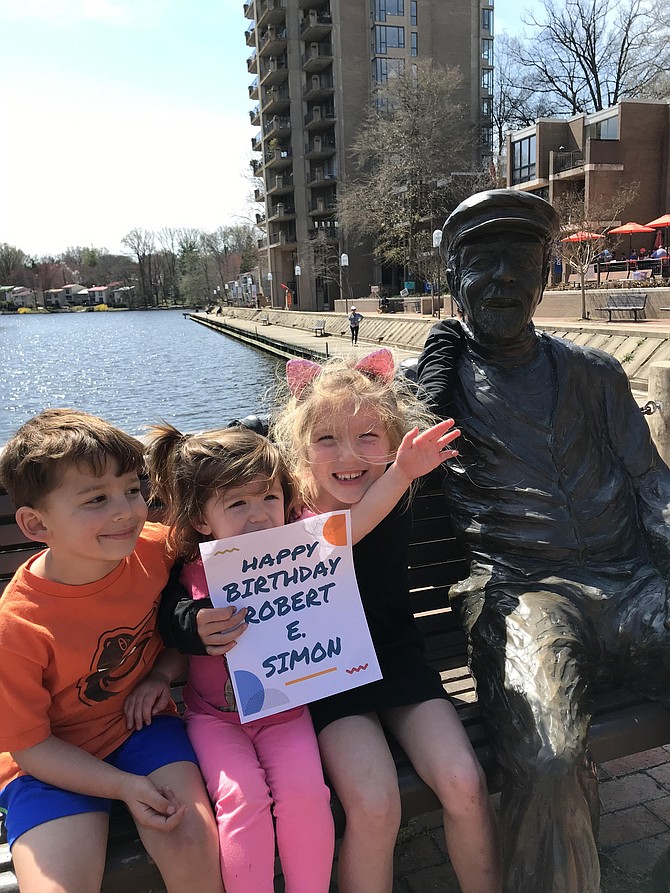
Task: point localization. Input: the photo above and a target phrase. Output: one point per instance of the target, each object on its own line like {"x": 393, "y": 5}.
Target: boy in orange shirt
{"x": 77, "y": 633}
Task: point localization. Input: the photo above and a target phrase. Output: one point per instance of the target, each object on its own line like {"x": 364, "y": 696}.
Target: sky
{"x": 123, "y": 114}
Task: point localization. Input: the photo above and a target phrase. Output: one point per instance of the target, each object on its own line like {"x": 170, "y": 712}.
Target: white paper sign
{"x": 308, "y": 636}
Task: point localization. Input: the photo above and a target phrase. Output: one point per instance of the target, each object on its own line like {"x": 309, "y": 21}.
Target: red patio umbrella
{"x": 582, "y": 235}
{"x": 629, "y": 229}
{"x": 659, "y": 224}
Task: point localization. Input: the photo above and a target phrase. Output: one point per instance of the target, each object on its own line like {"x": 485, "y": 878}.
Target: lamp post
{"x": 344, "y": 262}
{"x": 297, "y": 272}
{"x": 270, "y": 288}
{"x": 437, "y": 241}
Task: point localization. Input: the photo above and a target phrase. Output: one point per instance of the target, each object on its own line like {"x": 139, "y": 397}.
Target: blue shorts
{"x": 27, "y": 802}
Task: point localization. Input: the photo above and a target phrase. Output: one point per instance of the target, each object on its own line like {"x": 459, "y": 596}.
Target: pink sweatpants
{"x": 253, "y": 771}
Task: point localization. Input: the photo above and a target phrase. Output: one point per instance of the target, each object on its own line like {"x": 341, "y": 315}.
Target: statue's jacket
{"x": 557, "y": 470}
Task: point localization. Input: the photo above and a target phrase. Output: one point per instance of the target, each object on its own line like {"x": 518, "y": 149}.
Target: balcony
{"x": 316, "y": 25}
{"x": 257, "y": 142}
{"x": 255, "y": 116}
{"x": 323, "y": 206}
{"x": 274, "y": 71}
{"x": 277, "y": 126}
{"x": 567, "y": 161}
{"x": 250, "y": 35}
{"x": 271, "y": 12}
{"x": 259, "y": 194}
{"x": 281, "y": 212}
{"x": 313, "y": 4}
{"x": 257, "y": 167}
{"x": 318, "y": 87}
{"x": 277, "y": 159}
{"x": 276, "y": 100}
{"x": 328, "y": 229}
{"x": 318, "y": 178}
{"x": 260, "y": 220}
{"x": 251, "y": 63}
{"x": 319, "y": 118}
{"x": 249, "y": 9}
{"x": 283, "y": 237}
{"x": 272, "y": 41}
{"x": 253, "y": 89}
{"x": 282, "y": 184}
{"x": 320, "y": 146}
{"x": 318, "y": 57}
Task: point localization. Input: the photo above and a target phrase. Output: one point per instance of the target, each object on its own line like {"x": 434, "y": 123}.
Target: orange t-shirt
{"x": 69, "y": 655}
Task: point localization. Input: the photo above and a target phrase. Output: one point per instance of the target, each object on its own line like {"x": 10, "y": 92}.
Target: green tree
{"x": 12, "y": 262}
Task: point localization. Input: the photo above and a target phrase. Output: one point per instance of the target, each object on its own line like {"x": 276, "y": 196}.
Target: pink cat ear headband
{"x": 299, "y": 373}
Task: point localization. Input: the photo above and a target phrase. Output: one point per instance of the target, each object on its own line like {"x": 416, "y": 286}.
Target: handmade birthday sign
{"x": 307, "y": 636}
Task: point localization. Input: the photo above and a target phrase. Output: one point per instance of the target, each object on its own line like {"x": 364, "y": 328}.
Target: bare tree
{"x": 415, "y": 160}
{"x": 143, "y": 245}
{"x": 586, "y": 55}
{"x": 580, "y": 218}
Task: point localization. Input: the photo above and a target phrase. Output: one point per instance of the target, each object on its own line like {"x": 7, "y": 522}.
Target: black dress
{"x": 381, "y": 561}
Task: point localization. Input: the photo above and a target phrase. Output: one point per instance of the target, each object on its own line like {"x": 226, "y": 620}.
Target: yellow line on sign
{"x": 313, "y": 676}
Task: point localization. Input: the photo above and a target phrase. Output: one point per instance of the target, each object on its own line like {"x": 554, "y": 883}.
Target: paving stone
{"x": 439, "y": 879}
{"x": 661, "y": 774}
{"x": 636, "y": 761}
{"x": 628, "y": 825}
{"x": 642, "y": 855}
{"x": 660, "y": 808}
{"x": 618, "y": 793}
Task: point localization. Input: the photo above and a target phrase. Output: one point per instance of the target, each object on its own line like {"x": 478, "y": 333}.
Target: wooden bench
{"x": 320, "y": 327}
{"x": 624, "y": 722}
{"x": 265, "y": 320}
{"x": 631, "y": 303}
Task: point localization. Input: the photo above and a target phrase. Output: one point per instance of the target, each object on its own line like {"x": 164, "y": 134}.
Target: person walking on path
{"x": 354, "y": 322}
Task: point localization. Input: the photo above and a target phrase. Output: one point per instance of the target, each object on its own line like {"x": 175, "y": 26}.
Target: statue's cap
{"x": 499, "y": 210}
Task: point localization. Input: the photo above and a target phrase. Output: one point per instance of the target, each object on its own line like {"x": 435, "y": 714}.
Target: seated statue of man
{"x": 563, "y": 504}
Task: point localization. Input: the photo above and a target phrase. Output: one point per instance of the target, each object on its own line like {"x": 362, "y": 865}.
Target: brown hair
{"x": 188, "y": 469}
{"x": 35, "y": 458}
{"x": 340, "y": 384}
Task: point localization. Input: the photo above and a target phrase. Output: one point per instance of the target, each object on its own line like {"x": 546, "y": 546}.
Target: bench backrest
{"x": 320, "y": 324}
{"x": 626, "y": 302}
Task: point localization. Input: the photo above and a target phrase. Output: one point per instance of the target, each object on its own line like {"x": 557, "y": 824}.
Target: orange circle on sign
{"x": 335, "y": 530}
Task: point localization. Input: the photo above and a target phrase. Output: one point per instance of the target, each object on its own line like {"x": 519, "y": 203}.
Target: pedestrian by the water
{"x": 354, "y": 322}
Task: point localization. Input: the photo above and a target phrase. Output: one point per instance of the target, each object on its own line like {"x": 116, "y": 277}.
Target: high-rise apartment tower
{"x": 315, "y": 64}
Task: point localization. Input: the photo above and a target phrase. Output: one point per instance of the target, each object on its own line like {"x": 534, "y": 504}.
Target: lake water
{"x": 131, "y": 368}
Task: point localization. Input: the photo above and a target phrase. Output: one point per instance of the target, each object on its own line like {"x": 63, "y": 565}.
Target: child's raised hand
{"x": 150, "y": 697}
{"x": 419, "y": 454}
{"x": 218, "y": 628}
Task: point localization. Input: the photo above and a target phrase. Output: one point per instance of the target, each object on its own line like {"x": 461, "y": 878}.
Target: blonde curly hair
{"x": 340, "y": 389}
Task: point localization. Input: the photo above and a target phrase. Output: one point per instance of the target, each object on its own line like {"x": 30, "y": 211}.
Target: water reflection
{"x": 130, "y": 368}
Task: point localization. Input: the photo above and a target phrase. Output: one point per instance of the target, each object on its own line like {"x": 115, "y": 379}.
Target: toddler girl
{"x": 339, "y": 429}
{"x": 215, "y": 485}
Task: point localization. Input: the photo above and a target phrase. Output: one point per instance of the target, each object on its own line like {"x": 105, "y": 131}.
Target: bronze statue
{"x": 563, "y": 504}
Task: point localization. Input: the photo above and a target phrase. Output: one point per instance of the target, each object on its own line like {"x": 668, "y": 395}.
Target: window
{"x": 388, "y": 36}
{"x": 607, "y": 129}
{"x": 487, "y": 107}
{"x": 395, "y": 7}
{"x": 412, "y": 12}
{"x": 387, "y": 68}
{"x": 487, "y": 50}
{"x": 487, "y": 138}
{"x": 415, "y": 44}
{"x": 379, "y": 11}
{"x": 523, "y": 160}
{"x": 487, "y": 20}
{"x": 487, "y": 80}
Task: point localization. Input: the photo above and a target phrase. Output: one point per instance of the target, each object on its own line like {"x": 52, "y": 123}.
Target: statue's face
{"x": 501, "y": 284}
